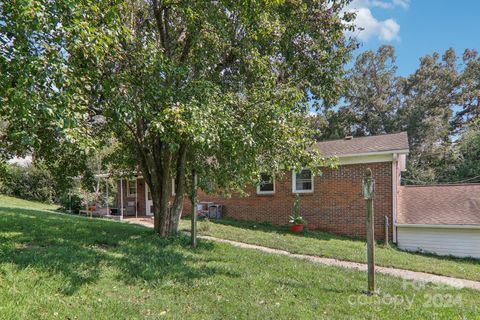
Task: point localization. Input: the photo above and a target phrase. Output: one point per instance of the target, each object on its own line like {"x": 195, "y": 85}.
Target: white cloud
{"x": 383, "y": 4}
{"x": 402, "y": 3}
{"x": 390, "y": 4}
{"x": 369, "y": 27}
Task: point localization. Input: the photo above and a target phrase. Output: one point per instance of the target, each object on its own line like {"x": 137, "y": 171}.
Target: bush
{"x": 30, "y": 183}
{"x": 73, "y": 202}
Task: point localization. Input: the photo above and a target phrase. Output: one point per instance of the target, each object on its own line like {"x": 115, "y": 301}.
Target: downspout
{"x": 394, "y": 196}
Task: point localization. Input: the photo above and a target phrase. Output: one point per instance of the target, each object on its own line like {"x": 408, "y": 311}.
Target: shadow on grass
{"x": 282, "y": 229}
{"x": 79, "y": 249}
{"x": 325, "y": 236}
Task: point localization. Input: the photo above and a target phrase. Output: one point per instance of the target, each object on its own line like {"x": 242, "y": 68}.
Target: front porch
{"x": 117, "y": 197}
{"x": 134, "y": 197}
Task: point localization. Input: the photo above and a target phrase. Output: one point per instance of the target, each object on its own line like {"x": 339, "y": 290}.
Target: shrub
{"x": 73, "y": 202}
{"x": 30, "y": 183}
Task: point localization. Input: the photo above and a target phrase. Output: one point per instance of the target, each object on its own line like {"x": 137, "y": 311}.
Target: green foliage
{"x": 296, "y": 218}
{"x": 73, "y": 202}
{"x": 469, "y": 115}
{"x": 468, "y": 164}
{"x": 30, "y": 182}
{"x": 372, "y": 92}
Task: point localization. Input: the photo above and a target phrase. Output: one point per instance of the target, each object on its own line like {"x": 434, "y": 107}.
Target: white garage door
{"x": 441, "y": 241}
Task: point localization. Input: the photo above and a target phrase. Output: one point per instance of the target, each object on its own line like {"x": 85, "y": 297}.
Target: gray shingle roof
{"x": 439, "y": 204}
{"x": 362, "y": 145}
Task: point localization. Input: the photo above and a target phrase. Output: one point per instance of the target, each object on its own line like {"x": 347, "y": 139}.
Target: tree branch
{"x": 158, "y": 13}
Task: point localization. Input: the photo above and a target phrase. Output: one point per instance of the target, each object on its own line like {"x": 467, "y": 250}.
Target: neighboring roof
{"x": 364, "y": 145}
{"x": 439, "y": 205}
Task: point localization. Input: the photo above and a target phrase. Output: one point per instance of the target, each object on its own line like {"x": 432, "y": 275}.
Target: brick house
{"x": 330, "y": 202}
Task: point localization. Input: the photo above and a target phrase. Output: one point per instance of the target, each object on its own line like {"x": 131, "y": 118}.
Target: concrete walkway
{"x": 400, "y": 273}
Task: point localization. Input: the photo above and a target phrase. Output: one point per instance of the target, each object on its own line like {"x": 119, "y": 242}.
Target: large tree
{"x": 430, "y": 95}
{"x": 217, "y": 86}
{"x": 372, "y": 93}
{"x": 469, "y": 114}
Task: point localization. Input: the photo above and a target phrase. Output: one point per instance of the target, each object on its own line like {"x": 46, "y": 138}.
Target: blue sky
{"x": 417, "y": 27}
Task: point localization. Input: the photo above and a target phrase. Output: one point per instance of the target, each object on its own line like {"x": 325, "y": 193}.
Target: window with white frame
{"x": 302, "y": 181}
{"x": 132, "y": 188}
{"x": 267, "y": 184}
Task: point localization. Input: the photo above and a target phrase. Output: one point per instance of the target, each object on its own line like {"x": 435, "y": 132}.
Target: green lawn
{"x": 11, "y": 202}
{"x": 57, "y": 266}
{"x": 328, "y": 245}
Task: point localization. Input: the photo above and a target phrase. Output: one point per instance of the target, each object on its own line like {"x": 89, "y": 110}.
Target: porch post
{"x": 121, "y": 198}
{"x": 106, "y": 188}
{"x": 136, "y": 196}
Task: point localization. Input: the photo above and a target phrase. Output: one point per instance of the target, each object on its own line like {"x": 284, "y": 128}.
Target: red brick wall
{"x": 336, "y": 205}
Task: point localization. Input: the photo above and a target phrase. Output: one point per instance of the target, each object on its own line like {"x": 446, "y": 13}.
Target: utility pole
{"x": 368, "y": 192}
{"x": 193, "y": 198}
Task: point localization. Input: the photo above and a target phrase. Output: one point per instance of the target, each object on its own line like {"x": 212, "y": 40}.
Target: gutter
{"x": 373, "y": 153}
{"x": 440, "y": 226}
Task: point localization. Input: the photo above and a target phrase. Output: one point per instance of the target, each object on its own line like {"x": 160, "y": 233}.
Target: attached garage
{"x": 441, "y": 219}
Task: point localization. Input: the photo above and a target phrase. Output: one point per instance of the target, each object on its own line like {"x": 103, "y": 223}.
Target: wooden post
{"x": 368, "y": 192}
{"x": 121, "y": 198}
{"x": 136, "y": 197}
{"x": 107, "y": 179}
{"x": 193, "y": 197}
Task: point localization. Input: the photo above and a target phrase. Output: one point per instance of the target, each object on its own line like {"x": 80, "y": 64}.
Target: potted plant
{"x": 297, "y": 221}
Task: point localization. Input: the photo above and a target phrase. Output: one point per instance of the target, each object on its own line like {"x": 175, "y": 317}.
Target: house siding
{"x": 441, "y": 241}
{"x": 335, "y": 206}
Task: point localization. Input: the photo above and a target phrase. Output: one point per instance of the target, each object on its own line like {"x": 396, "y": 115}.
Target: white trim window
{"x": 132, "y": 188}
{"x": 267, "y": 184}
{"x": 302, "y": 182}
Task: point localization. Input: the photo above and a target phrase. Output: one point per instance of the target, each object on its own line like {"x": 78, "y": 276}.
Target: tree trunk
{"x": 193, "y": 199}
{"x": 159, "y": 179}
{"x": 177, "y": 207}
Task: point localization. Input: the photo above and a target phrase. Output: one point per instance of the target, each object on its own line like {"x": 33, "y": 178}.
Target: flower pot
{"x": 297, "y": 227}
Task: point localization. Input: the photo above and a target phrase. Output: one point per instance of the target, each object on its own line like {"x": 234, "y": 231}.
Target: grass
{"x": 11, "y": 202}
{"x": 328, "y": 245}
{"x": 58, "y": 266}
